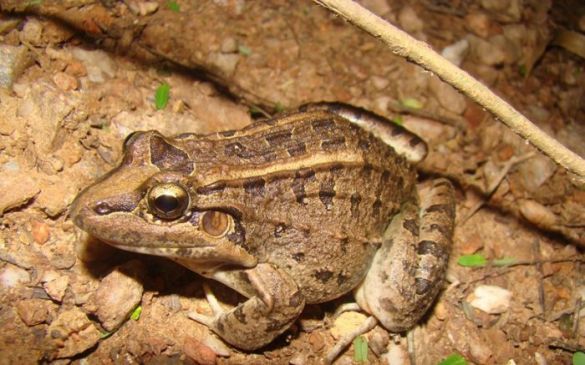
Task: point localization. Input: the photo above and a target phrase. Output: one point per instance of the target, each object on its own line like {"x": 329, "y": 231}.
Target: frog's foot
{"x": 407, "y": 271}
{"x": 260, "y": 319}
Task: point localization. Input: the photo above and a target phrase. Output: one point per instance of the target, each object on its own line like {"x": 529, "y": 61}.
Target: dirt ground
{"x": 79, "y": 76}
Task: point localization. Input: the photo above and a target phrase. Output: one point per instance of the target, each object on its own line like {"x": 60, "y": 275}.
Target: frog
{"x": 301, "y": 208}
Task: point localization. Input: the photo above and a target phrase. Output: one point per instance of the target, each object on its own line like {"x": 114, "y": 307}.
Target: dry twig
{"x": 419, "y": 52}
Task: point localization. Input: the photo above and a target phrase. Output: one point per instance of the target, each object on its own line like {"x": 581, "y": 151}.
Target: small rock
{"x": 490, "y": 299}
{"x": 537, "y": 214}
{"x": 40, "y": 231}
{"x": 72, "y": 333}
{"x": 118, "y": 295}
{"x": 32, "y": 311}
{"x": 97, "y": 63}
{"x": 55, "y": 198}
{"x": 447, "y": 96}
{"x": 76, "y": 69}
{"x": 141, "y": 8}
{"x": 511, "y": 51}
{"x": 60, "y": 253}
{"x": 32, "y": 32}
{"x": 65, "y": 81}
{"x": 229, "y": 45}
{"x": 536, "y": 171}
{"x": 316, "y": 342}
{"x": 346, "y": 323}
{"x": 198, "y": 352}
{"x": 55, "y": 284}
{"x": 380, "y": 83}
{"x": 13, "y": 61}
{"x": 16, "y": 189}
{"x": 478, "y": 23}
{"x": 378, "y": 341}
{"x": 379, "y": 7}
{"x": 226, "y": 62}
{"x": 409, "y": 20}
{"x": 504, "y": 10}
{"x": 396, "y": 355}
{"x": 480, "y": 352}
{"x": 456, "y": 52}
{"x": 11, "y": 276}
{"x": 217, "y": 346}
{"x": 486, "y": 52}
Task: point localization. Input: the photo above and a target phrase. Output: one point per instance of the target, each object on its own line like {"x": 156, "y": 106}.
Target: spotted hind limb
{"x": 408, "y": 270}
{"x": 259, "y": 320}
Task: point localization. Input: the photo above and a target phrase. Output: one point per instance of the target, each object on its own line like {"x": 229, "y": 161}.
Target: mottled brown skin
{"x": 301, "y": 203}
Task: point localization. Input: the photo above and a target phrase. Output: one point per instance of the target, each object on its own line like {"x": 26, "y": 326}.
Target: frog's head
{"x": 147, "y": 205}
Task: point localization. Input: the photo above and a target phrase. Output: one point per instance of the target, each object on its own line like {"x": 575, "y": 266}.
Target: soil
{"x": 85, "y": 76}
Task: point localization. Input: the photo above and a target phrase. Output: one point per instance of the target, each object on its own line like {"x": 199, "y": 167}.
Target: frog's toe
{"x": 203, "y": 319}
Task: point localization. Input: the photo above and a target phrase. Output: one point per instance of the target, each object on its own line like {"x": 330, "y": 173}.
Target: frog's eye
{"x": 216, "y": 223}
{"x": 168, "y": 201}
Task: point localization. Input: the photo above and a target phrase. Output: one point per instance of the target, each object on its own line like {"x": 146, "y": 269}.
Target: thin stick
{"x": 419, "y": 52}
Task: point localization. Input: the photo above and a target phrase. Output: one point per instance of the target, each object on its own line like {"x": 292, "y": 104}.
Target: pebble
{"x": 40, "y": 231}
{"x": 98, "y": 64}
{"x": 226, "y": 62}
{"x": 447, "y": 96}
{"x": 456, "y": 52}
{"x": 13, "y": 61}
{"x": 536, "y": 171}
{"x": 71, "y": 333}
{"x": 65, "y": 82}
{"x": 16, "y": 189}
{"x": 32, "y": 32}
{"x": 118, "y": 295}
{"x": 142, "y": 8}
{"x": 478, "y": 23}
{"x": 12, "y": 276}
{"x": 55, "y": 284}
{"x": 198, "y": 352}
{"x": 504, "y": 10}
{"x": 490, "y": 299}
{"x": 537, "y": 214}
{"x": 346, "y": 322}
{"x": 32, "y": 311}
{"x": 409, "y": 20}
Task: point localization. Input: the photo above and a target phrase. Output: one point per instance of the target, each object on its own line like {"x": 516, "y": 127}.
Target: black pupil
{"x": 166, "y": 203}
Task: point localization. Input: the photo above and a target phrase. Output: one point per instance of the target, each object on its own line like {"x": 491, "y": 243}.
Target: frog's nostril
{"x": 102, "y": 208}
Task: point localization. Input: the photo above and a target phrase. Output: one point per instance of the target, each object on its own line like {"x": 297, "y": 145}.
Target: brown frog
{"x": 287, "y": 211}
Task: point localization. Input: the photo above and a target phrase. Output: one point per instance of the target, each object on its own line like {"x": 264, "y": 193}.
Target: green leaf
{"x": 104, "y": 335}
{"x": 477, "y": 260}
{"x": 278, "y": 108}
{"x": 454, "y": 359}
{"x": 173, "y": 6}
{"x": 244, "y": 50}
{"x": 360, "y": 348}
{"x": 504, "y": 261}
{"x": 523, "y": 70}
{"x": 136, "y": 313}
{"x": 161, "y": 96}
{"x": 397, "y": 119}
{"x": 578, "y": 358}
{"x": 411, "y": 103}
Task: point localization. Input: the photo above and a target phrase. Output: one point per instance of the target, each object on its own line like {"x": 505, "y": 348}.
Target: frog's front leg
{"x": 256, "y": 322}
{"x": 408, "y": 269}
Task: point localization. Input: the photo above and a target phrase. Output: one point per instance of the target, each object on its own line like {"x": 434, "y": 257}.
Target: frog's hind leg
{"x": 407, "y": 271}
{"x": 259, "y": 320}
